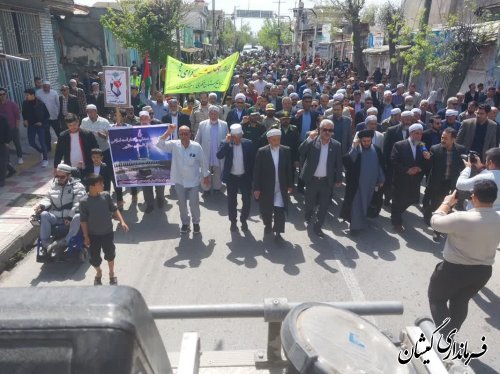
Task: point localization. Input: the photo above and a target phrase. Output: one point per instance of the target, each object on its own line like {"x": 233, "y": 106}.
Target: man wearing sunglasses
{"x": 321, "y": 157}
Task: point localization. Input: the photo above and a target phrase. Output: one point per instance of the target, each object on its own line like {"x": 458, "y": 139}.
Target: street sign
{"x": 242, "y": 13}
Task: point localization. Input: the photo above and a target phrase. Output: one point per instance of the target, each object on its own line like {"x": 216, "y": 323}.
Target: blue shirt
{"x": 306, "y": 125}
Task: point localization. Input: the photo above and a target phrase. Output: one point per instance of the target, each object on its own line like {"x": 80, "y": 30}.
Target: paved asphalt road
{"x": 220, "y": 267}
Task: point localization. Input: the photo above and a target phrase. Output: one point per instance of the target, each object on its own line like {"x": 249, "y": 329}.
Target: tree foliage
{"x": 147, "y": 25}
{"x": 235, "y": 39}
{"x": 272, "y": 31}
{"x": 369, "y": 14}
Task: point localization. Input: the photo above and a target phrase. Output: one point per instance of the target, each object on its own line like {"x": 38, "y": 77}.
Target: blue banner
{"x": 137, "y": 161}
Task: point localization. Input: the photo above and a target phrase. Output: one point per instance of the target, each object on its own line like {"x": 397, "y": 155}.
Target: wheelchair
{"x": 75, "y": 249}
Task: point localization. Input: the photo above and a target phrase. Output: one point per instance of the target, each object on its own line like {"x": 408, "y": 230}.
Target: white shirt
{"x": 413, "y": 148}
{"x": 100, "y": 125}
{"x": 51, "y": 101}
{"x": 175, "y": 121}
{"x": 259, "y": 86}
{"x": 465, "y": 183}
{"x": 278, "y": 198}
{"x": 97, "y": 169}
{"x": 238, "y": 167}
{"x": 75, "y": 149}
{"x": 323, "y": 156}
{"x": 188, "y": 164}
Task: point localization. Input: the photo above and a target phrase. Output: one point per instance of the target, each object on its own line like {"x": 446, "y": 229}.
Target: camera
{"x": 472, "y": 157}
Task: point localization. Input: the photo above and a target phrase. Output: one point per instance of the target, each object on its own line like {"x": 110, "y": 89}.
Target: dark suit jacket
{"x": 232, "y": 116}
{"x": 226, "y": 152}
{"x": 393, "y": 134}
{"x": 99, "y": 103}
{"x": 437, "y": 165}
{"x": 427, "y": 138}
{"x": 105, "y": 172}
{"x": 264, "y": 175}
{"x": 344, "y": 137}
{"x": 406, "y": 187}
{"x": 183, "y": 120}
{"x": 297, "y": 121}
{"x": 467, "y": 131}
{"x": 310, "y": 151}
{"x": 73, "y": 106}
{"x": 87, "y": 142}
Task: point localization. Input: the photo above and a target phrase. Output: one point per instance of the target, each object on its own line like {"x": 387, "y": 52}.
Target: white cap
{"x": 387, "y": 92}
{"x": 338, "y": 97}
{"x": 95, "y": 84}
{"x": 372, "y": 110}
{"x": 400, "y": 85}
{"x": 370, "y": 118}
{"x": 91, "y": 107}
{"x": 64, "y": 168}
{"x": 407, "y": 113}
{"x": 236, "y": 129}
{"x": 143, "y": 113}
{"x": 213, "y": 108}
{"x": 415, "y": 127}
{"x": 416, "y": 111}
{"x": 240, "y": 96}
{"x": 273, "y": 132}
{"x": 307, "y": 91}
{"x": 341, "y": 91}
{"x": 395, "y": 111}
{"x": 72, "y": 81}
{"x": 451, "y": 112}
{"x": 293, "y": 94}
{"x": 46, "y": 83}
{"x": 211, "y": 94}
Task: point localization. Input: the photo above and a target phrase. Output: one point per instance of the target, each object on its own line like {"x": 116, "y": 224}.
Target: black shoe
{"x": 185, "y": 229}
{"x": 244, "y": 226}
{"x": 267, "y": 230}
{"x": 161, "y": 203}
{"x": 205, "y": 194}
{"x": 11, "y": 172}
{"x": 278, "y": 238}
{"x": 149, "y": 209}
{"x": 387, "y": 202}
{"x": 196, "y": 228}
{"x": 354, "y": 232}
{"x": 233, "y": 227}
{"x": 319, "y": 232}
{"x": 309, "y": 219}
{"x": 436, "y": 236}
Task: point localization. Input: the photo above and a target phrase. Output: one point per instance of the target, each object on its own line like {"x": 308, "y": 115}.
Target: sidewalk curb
{"x": 23, "y": 240}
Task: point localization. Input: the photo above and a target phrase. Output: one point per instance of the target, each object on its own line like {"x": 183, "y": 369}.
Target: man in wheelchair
{"x": 59, "y": 207}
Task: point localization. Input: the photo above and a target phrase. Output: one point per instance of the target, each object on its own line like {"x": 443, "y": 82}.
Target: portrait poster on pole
{"x": 116, "y": 86}
{"x": 137, "y": 161}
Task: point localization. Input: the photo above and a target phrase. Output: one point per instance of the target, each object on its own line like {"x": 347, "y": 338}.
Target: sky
{"x": 228, "y": 7}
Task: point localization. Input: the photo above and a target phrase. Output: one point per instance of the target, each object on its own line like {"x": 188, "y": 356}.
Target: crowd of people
{"x": 280, "y": 129}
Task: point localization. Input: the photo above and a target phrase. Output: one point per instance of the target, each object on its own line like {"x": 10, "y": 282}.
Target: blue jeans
{"x": 33, "y": 131}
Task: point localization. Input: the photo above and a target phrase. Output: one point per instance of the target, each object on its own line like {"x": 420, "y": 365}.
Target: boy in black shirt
{"x": 96, "y": 212}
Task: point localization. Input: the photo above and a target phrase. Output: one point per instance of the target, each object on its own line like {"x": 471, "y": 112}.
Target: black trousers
{"x": 450, "y": 289}
{"x": 318, "y": 192}
{"x": 235, "y": 184}
{"x": 104, "y": 242}
{"x": 399, "y": 205}
{"x": 4, "y": 162}
{"x": 279, "y": 219}
{"x": 435, "y": 198}
{"x": 54, "y": 123}
{"x": 149, "y": 194}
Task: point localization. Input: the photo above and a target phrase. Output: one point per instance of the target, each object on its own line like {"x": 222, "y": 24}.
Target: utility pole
{"x": 279, "y": 25}
{"x": 214, "y": 47}
{"x": 298, "y": 27}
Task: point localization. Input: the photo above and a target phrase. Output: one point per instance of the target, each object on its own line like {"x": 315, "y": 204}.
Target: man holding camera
{"x": 468, "y": 254}
{"x": 490, "y": 170}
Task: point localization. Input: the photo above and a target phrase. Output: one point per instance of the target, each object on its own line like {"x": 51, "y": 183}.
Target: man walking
{"x": 469, "y": 253}
{"x": 272, "y": 181}
{"x": 364, "y": 175}
{"x": 35, "y": 116}
{"x": 239, "y": 158}
{"x": 11, "y": 112}
{"x": 51, "y": 100}
{"x": 188, "y": 164}
{"x": 321, "y": 157}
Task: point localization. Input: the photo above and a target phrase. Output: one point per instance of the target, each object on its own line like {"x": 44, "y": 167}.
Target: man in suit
{"x": 210, "y": 134}
{"x": 408, "y": 162}
{"x": 321, "y": 157}
{"x": 445, "y": 166}
{"x": 478, "y": 134}
{"x": 96, "y": 97}
{"x": 432, "y": 135}
{"x": 305, "y": 118}
{"x": 236, "y": 114}
{"x": 67, "y": 104}
{"x": 99, "y": 168}
{"x": 79, "y": 156}
{"x": 239, "y": 157}
{"x": 342, "y": 128}
{"x": 176, "y": 117}
{"x": 394, "y": 134}
{"x": 272, "y": 182}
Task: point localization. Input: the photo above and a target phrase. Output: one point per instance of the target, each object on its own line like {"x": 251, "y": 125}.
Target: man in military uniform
{"x": 254, "y": 130}
{"x": 270, "y": 120}
{"x": 291, "y": 138}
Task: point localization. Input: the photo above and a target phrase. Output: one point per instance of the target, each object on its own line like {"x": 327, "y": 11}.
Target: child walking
{"x": 96, "y": 212}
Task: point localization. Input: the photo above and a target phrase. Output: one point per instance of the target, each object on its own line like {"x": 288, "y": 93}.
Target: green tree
{"x": 147, "y": 25}
{"x": 351, "y": 10}
{"x": 451, "y": 51}
{"x": 272, "y": 31}
{"x": 369, "y": 14}
{"x": 391, "y": 18}
{"x": 236, "y": 39}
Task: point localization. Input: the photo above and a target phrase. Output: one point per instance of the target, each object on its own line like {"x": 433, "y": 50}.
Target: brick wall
{"x": 51, "y": 66}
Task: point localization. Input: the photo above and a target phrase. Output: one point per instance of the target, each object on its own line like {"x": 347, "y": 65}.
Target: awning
{"x": 384, "y": 49}
{"x": 65, "y": 7}
{"x": 191, "y": 50}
